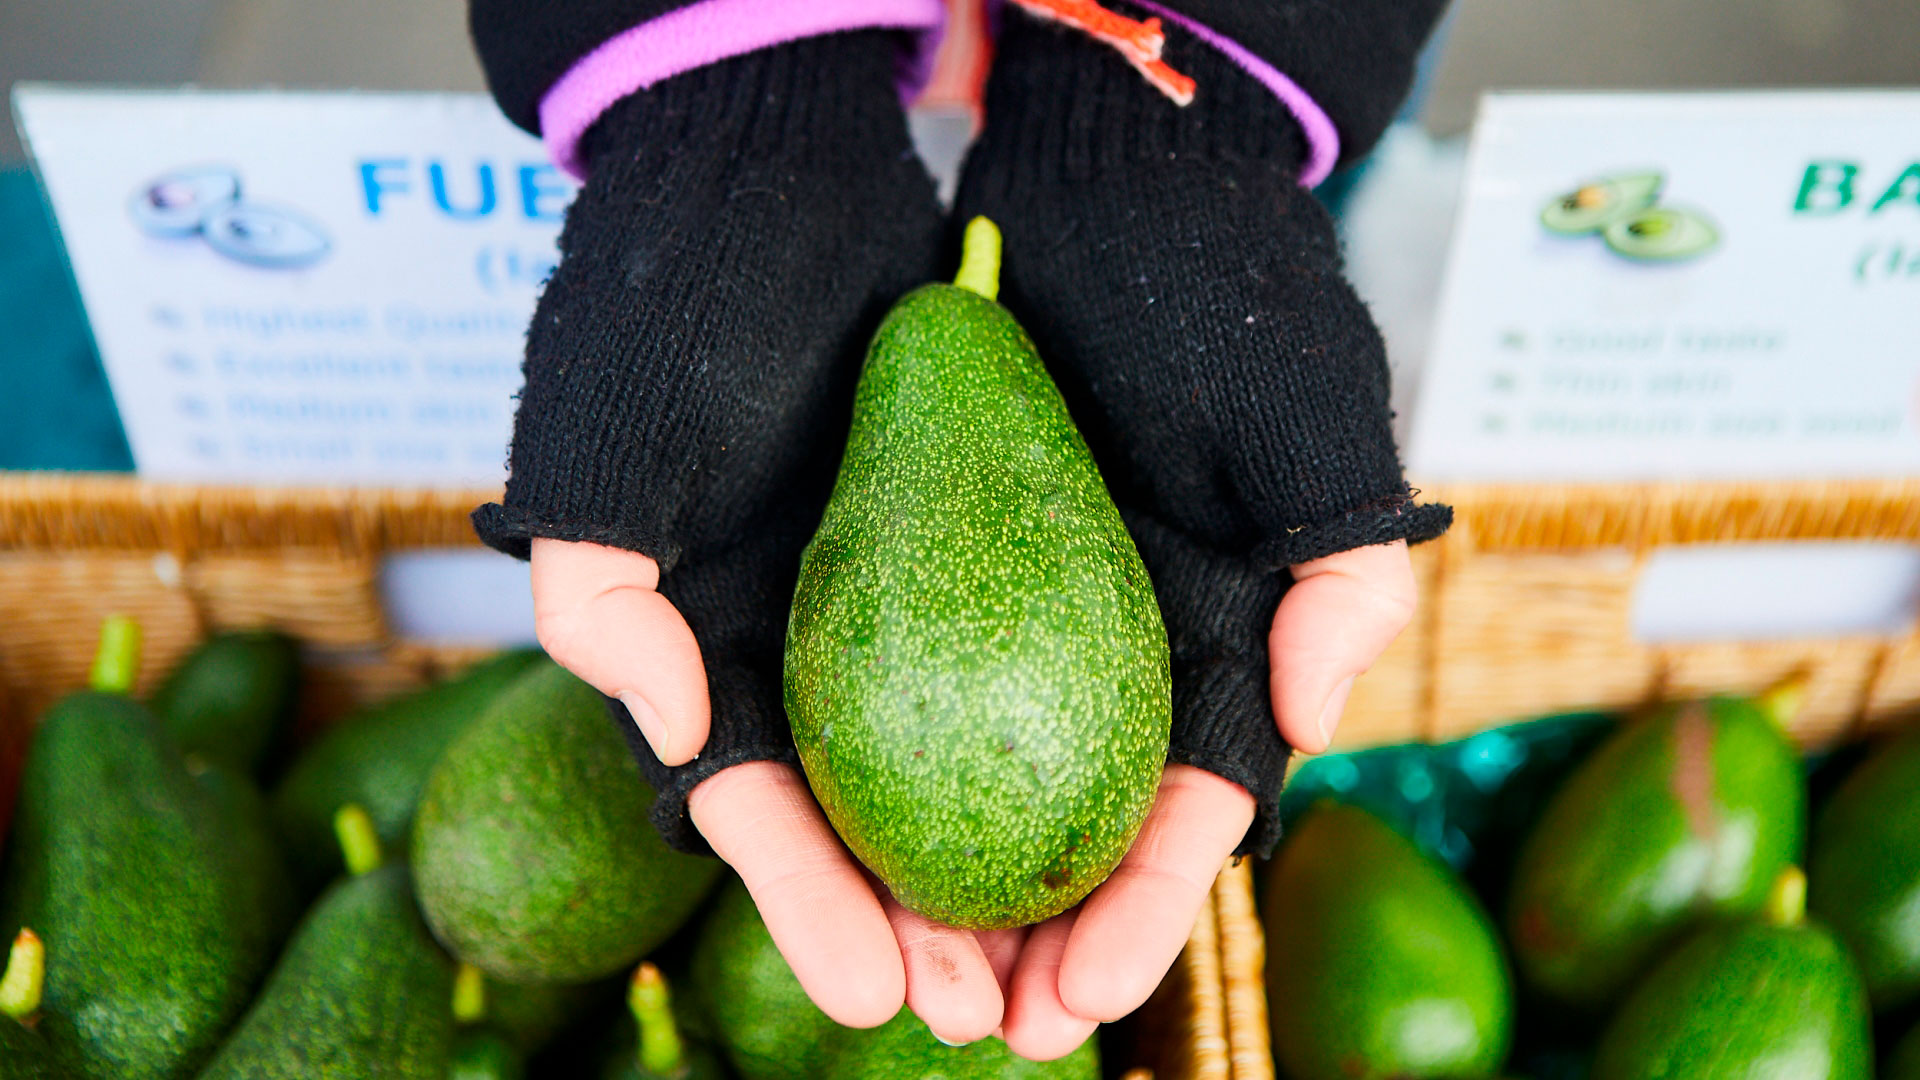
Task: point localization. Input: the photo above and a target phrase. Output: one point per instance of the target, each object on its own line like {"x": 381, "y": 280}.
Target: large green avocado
{"x": 379, "y": 759}
{"x": 1863, "y": 873}
{"x": 1758, "y": 997}
{"x": 1681, "y": 816}
{"x": 153, "y": 881}
{"x": 1380, "y": 963}
{"x": 229, "y": 700}
{"x": 766, "y": 1024}
{"x": 362, "y": 990}
{"x": 532, "y": 849}
{"x": 976, "y": 668}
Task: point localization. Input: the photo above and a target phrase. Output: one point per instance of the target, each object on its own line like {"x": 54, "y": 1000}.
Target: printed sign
{"x": 302, "y": 287}
{"x": 1680, "y": 286}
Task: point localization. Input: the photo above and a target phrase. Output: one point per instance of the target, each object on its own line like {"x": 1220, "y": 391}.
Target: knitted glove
{"x": 1186, "y": 293}
{"x": 690, "y": 367}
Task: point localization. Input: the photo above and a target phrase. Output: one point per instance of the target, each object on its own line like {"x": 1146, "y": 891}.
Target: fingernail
{"x": 943, "y": 1042}
{"x": 1336, "y": 704}
{"x": 648, "y": 722}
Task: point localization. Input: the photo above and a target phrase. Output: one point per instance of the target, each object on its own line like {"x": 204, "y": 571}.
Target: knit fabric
{"x": 1187, "y": 295}
{"x": 710, "y": 31}
{"x": 690, "y": 366}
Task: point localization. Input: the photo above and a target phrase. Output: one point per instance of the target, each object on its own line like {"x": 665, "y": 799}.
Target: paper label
{"x": 303, "y": 287}
{"x": 1680, "y": 286}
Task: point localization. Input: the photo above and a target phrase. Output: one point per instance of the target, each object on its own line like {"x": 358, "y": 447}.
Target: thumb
{"x": 597, "y": 614}
{"x": 1340, "y": 615}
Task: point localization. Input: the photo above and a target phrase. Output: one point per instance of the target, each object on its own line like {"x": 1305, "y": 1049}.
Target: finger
{"x": 597, "y": 614}
{"x": 1039, "y": 1026}
{"x": 1136, "y": 922}
{"x": 761, "y": 818}
{"x": 950, "y": 983}
{"x": 1340, "y": 615}
{"x": 1002, "y": 950}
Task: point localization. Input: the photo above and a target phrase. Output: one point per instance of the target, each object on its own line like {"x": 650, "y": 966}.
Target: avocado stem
{"x": 980, "y": 259}
{"x": 469, "y": 994}
{"x": 1787, "y": 900}
{"x": 25, "y": 977}
{"x": 1782, "y": 701}
{"x": 117, "y": 663}
{"x": 661, "y": 1051}
{"x": 359, "y": 840}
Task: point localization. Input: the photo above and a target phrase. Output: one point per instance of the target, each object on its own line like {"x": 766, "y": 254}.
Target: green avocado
{"x": 485, "y": 1054}
{"x": 1380, "y": 963}
{"x": 24, "y": 1055}
{"x": 1662, "y": 234}
{"x": 903, "y": 1049}
{"x": 1679, "y": 817}
{"x": 362, "y": 990}
{"x": 379, "y": 759}
{"x": 1758, "y": 997}
{"x": 1591, "y": 207}
{"x": 1863, "y": 873}
{"x": 153, "y": 882}
{"x": 230, "y": 699}
{"x": 1904, "y": 1062}
{"x": 762, "y": 1017}
{"x": 976, "y": 668}
{"x": 532, "y": 847}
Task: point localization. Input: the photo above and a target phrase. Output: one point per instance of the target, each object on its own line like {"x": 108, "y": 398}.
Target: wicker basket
{"x": 187, "y": 560}
{"x": 1525, "y": 606}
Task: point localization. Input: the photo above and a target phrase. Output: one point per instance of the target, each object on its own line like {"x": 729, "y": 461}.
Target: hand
{"x": 857, "y": 952}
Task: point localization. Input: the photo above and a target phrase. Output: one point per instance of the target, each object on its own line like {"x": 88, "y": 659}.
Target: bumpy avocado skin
{"x": 761, "y": 1015}
{"x": 533, "y": 853}
{"x": 153, "y": 882}
{"x": 1380, "y": 963}
{"x": 362, "y": 991}
{"x": 229, "y": 700}
{"x": 379, "y": 759}
{"x": 1743, "y": 1000}
{"x": 976, "y": 668}
{"x": 1676, "y": 818}
{"x": 1863, "y": 873}
{"x": 903, "y": 1049}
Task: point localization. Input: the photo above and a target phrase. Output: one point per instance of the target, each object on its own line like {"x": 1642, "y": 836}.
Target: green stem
{"x": 117, "y": 663}
{"x": 469, "y": 995}
{"x": 980, "y": 259}
{"x": 25, "y": 976}
{"x": 359, "y": 840}
{"x": 1781, "y": 701}
{"x": 1787, "y": 901}
{"x": 661, "y": 1051}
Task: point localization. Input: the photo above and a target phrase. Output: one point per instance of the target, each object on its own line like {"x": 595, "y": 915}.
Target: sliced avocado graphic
{"x": 1596, "y": 205}
{"x": 1662, "y": 234}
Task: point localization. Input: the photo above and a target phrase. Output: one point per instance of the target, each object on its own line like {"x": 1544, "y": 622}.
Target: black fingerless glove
{"x": 690, "y": 367}
{"x": 1187, "y": 295}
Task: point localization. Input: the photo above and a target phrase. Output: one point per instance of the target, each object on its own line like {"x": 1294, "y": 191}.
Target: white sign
{"x": 303, "y": 287}
{"x": 1681, "y": 286}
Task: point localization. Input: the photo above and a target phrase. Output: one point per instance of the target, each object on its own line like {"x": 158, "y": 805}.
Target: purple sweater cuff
{"x": 707, "y": 32}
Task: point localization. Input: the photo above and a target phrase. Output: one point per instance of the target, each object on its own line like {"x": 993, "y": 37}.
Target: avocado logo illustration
{"x": 205, "y": 201}
{"x": 1623, "y": 210}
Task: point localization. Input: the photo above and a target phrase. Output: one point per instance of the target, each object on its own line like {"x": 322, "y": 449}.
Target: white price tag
{"x": 1680, "y": 286}
{"x": 302, "y": 287}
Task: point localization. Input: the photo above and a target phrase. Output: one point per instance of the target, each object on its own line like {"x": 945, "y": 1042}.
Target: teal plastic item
{"x": 58, "y": 412}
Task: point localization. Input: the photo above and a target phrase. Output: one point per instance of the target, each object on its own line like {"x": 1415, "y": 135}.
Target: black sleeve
{"x": 690, "y": 366}
{"x": 1188, "y": 297}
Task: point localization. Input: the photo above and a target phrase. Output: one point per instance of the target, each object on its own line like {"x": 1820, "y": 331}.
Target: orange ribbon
{"x": 1140, "y": 41}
